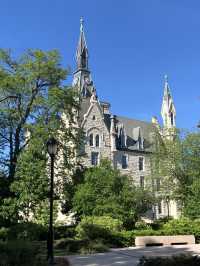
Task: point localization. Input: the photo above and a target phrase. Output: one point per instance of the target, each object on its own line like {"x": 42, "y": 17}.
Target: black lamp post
{"x": 52, "y": 146}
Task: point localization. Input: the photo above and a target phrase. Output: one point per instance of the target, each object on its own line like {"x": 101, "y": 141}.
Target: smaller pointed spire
{"x": 166, "y": 78}
{"x": 166, "y": 86}
{"x": 168, "y": 111}
{"x": 81, "y": 22}
{"x": 82, "y": 51}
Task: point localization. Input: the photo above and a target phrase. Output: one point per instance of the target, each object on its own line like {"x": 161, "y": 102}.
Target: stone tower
{"x": 82, "y": 78}
{"x": 168, "y": 111}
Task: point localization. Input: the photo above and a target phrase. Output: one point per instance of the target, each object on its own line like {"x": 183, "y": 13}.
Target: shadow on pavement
{"x": 130, "y": 256}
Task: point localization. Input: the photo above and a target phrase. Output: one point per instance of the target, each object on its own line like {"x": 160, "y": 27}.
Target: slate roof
{"x": 132, "y": 129}
{"x": 84, "y": 106}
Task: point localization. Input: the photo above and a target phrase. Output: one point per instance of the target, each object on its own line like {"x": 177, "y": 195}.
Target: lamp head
{"x": 52, "y": 146}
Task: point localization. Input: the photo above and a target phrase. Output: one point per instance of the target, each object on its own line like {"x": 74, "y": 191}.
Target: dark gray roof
{"x": 107, "y": 121}
{"x": 135, "y": 127}
{"x": 84, "y": 106}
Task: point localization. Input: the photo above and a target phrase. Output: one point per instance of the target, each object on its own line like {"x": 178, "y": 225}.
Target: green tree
{"x": 106, "y": 192}
{"x": 41, "y": 107}
{"x": 166, "y": 166}
{"x": 176, "y": 163}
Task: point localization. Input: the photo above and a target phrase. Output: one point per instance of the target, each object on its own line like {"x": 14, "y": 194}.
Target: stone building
{"x": 125, "y": 141}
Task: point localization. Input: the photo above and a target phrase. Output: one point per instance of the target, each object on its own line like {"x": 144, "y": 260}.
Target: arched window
{"x": 91, "y": 139}
{"x": 97, "y": 140}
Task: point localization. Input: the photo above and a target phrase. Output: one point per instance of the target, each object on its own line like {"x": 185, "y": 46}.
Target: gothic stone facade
{"x": 126, "y": 142}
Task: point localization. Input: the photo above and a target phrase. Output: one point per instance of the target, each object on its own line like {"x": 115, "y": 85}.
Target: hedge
{"x": 180, "y": 260}
{"x": 20, "y": 253}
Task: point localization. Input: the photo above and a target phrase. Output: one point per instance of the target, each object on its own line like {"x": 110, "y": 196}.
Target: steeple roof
{"x": 167, "y": 97}
{"x": 168, "y": 110}
{"x": 82, "y": 51}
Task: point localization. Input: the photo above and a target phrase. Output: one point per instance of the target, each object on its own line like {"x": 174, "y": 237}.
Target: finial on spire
{"x": 81, "y": 24}
{"x": 166, "y": 78}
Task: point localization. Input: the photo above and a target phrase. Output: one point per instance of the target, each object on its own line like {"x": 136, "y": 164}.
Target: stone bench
{"x": 164, "y": 240}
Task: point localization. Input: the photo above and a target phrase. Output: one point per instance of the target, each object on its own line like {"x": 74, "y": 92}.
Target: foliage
{"x": 179, "y": 260}
{"x": 140, "y": 225}
{"x": 91, "y": 231}
{"x": 69, "y": 189}
{"x": 177, "y": 164}
{"x": 106, "y": 229}
{"x": 105, "y": 222}
{"x": 192, "y": 199}
{"x": 182, "y": 226}
{"x": 20, "y": 253}
{"x": 105, "y": 192}
{"x": 24, "y": 231}
{"x": 4, "y": 232}
{"x": 84, "y": 246}
{"x": 95, "y": 246}
{"x": 64, "y": 231}
{"x": 69, "y": 244}
{"x": 40, "y": 106}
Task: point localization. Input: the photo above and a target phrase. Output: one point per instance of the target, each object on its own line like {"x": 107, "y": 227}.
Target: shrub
{"x": 20, "y": 253}
{"x": 183, "y": 226}
{"x": 106, "y": 222}
{"x": 147, "y": 232}
{"x": 64, "y": 232}
{"x": 140, "y": 225}
{"x": 170, "y": 261}
{"x": 70, "y": 245}
{"x": 4, "y": 232}
{"x": 106, "y": 230}
{"x": 95, "y": 246}
{"x": 122, "y": 239}
{"x": 92, "y": 231}
{"x": 27, "y": 231}
{"x": 98, "y": 227}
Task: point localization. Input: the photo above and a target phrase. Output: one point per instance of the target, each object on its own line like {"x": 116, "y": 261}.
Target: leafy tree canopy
{"x": 106, "y": 192}
{"x": 176, "y": 163}
{"x": 38, "y": 105}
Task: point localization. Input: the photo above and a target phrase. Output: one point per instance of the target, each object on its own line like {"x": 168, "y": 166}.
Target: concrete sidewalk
{"x": 130, "y": 256}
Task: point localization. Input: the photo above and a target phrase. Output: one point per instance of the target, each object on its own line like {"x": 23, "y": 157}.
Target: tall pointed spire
{"x": 82, "y": 51}
{"x": 82, "y": 77}
{"x": 168, "y": 110}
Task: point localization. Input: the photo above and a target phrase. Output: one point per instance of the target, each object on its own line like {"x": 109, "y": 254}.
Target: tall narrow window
{"x": 172, "y": 119}
{"x": 94, "y": 158}
{"x": 97, "y": 140}
{"x": 141, "y": 163}
{"x": 124, "y": 162}
{"x": 158, "y": 184}
{"x": 159, "y": 208}
{"x": 91, "y": 139}
{"x": 142, "y": 181}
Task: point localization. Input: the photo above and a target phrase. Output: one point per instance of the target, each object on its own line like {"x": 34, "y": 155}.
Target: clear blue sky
{"x": 132, "y": 44}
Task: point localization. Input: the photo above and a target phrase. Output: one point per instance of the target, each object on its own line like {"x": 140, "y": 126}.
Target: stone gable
{"x": 94, "y": 124}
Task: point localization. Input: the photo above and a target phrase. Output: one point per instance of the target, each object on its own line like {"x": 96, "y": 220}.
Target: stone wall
{"x": 94, "y": 124}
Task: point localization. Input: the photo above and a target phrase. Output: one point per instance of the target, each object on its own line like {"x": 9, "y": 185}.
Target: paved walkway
{"x": 130, "y": 256}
